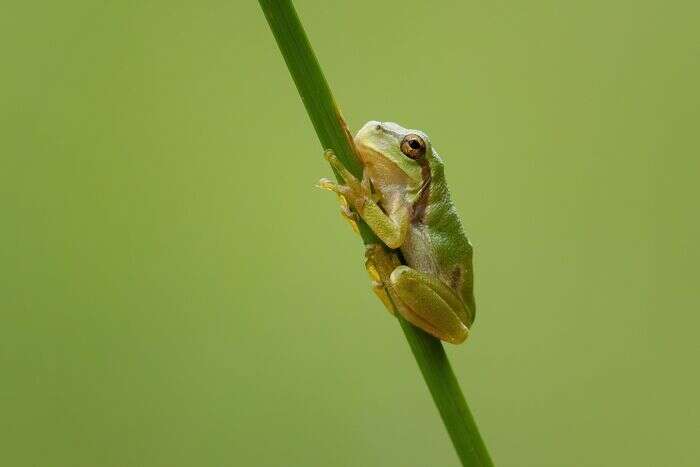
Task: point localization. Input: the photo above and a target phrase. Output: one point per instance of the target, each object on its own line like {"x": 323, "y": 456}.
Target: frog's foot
{"x": 379, "y": 264}
{"x": 356, "y": 192}
{"x": 348, "y": 215}
{"x": 345, "y": 211}
{"x": 428, "y": 303}
{"x": 329, "y": 185}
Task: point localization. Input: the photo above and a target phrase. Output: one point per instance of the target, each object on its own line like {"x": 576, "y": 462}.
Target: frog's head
{"x": 394, "y": 155}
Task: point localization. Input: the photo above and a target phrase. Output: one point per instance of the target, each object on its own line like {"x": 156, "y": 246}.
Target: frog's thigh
{"x": 429, "y": 304}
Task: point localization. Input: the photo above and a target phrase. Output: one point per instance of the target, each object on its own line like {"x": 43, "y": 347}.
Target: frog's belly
{"x": 419, "y": 251}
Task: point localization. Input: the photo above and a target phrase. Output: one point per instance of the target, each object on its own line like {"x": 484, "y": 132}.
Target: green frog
{"x": 404, "y": 199}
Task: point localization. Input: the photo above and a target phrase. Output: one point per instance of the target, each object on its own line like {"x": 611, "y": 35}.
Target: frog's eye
{"x": 413, "y": 146}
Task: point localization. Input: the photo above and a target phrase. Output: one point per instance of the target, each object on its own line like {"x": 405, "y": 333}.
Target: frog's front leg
{"x": 424, "y": 300}
{"x": 390, "y": 227}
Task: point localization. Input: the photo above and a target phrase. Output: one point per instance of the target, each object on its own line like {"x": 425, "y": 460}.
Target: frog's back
{"x": 436, "y": 242}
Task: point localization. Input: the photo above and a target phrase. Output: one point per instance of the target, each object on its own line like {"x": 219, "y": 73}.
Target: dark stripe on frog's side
{"x": 456, "y": 278}
{"x": 421, "y": 203}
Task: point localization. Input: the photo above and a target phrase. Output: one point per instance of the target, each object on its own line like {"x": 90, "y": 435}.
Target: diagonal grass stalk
{"x": 333, "y": 134}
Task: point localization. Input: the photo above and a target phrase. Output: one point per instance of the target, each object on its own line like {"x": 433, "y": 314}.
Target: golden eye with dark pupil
{"x": 413, "y": 146}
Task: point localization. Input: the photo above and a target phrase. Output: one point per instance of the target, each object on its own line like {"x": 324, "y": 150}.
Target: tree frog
{"x": 404, "y": 199}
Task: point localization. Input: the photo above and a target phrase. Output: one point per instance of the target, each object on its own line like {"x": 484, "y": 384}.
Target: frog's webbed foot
{"x": 341, "y": 191}
{"x": 355, "y": 192}
{"x": 351, "y": 194}
{"x": 379, "y": 264}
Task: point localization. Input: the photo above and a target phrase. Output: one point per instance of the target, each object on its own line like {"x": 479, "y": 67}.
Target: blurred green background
{"x": 174, "y": 291}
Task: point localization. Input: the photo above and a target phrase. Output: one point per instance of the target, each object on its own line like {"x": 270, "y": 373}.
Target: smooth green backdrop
{"x": 174, "y": 291}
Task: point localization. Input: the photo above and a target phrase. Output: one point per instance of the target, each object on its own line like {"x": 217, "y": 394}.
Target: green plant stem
{"x": 333, "y": 134}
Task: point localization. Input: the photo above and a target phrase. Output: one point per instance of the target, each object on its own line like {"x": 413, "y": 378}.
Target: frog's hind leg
{"x": 422, "y": 299}
{"x": 428, "y": 303}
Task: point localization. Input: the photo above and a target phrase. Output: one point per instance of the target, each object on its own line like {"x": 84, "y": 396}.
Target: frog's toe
{"x": 332, "y": 159}
{"x": 399, "y": 273}
{"x": 349, "y": 216}
{"x": 327, "y": 184}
